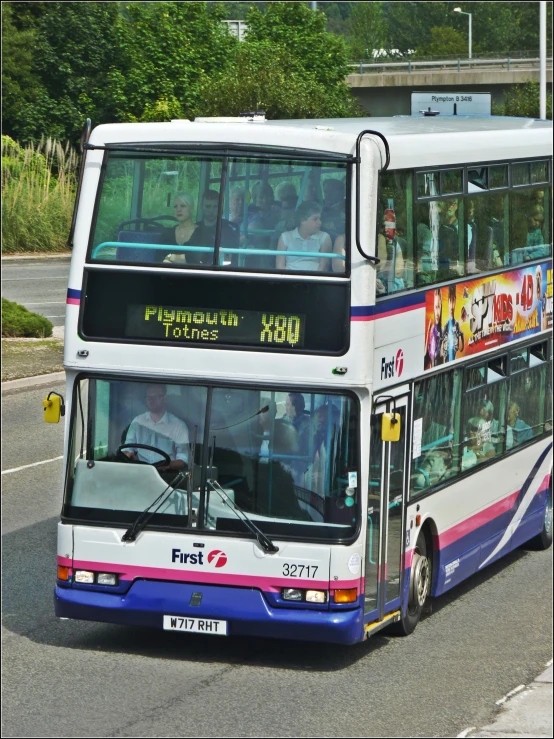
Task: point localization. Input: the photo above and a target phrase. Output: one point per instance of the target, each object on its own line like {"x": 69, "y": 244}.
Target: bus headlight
{"x": 292, "y": 594}
{"x": 316, "y": 596}
{"x": 84, "y": 576}
{"x": 106, "y": 578}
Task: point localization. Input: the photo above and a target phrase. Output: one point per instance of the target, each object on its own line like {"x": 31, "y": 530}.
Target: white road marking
{"x": 27, "y": 279}
{"x": 465, "y": 732}
{"x": 34, "y": 464}
{"x": 52, "y": 302}
{"x": 510, "y": 694}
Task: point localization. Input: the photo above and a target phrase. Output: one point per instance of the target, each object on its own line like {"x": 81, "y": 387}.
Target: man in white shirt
{"x": 161, "y": 429}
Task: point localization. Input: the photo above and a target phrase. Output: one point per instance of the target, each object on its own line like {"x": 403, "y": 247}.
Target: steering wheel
{"x": 166, "y": 458}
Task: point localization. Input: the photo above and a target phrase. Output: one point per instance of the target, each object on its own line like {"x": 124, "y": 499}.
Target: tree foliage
{"x": 263, "y": 78}
{"x": 446, "y": 41}
{"x": 288, "y": 66}
{"x": 168, "y": 49}
{"x": 141, "y": 61}
{"x": 20, "y": 85}
{"x": 496, "y": 26}
{"x": 523, "y": 101}
{"x": 300, "y": 33}
{"x": 367, "y": 30}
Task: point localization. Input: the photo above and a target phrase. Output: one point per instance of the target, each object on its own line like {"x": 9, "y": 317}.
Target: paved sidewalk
{"x": 524, "y": 712}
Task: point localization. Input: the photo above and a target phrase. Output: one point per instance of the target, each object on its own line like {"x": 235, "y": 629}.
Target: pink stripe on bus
{"x": 483, "y": 517}
{"x": 73, "y": 301}
{"x": 131, "y": 572}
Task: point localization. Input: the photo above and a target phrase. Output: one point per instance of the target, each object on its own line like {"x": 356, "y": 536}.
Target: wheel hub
{"x": 419, "y": 580}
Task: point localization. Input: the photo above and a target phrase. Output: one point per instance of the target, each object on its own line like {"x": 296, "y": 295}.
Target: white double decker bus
{"x": 308, "y": 370}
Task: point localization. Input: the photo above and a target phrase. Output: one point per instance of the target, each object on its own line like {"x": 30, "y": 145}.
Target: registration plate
{"x": 195, "y": 625}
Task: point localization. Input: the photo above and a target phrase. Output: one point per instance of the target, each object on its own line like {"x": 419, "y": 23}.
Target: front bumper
{"x": 246, "y": 611}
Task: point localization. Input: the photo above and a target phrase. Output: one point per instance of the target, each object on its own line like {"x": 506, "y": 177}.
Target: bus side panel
{"x": 485, "y": 515}
{"x": 529, "y": 470}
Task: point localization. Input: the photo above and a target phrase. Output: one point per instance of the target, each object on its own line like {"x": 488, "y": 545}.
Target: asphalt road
{"x": 38, "y": 284}
{"x": 79, "y": 679}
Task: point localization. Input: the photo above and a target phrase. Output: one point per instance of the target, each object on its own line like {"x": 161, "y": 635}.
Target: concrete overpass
{"x": 385, "y": 89}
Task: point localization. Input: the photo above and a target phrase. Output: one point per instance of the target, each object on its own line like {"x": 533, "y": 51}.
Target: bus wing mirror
{"x": 54, "y": 407}
{"x": 390, "y": 427}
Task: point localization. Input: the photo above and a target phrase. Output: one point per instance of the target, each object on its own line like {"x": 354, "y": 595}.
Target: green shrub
{"x": 18, "y": 321}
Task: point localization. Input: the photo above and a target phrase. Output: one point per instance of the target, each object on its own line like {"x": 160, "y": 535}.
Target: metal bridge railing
{"x": 413, "y": 65}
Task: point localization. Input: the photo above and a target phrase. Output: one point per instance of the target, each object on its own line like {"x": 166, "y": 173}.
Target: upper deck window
{"x": 443, "y": 224}
{"x": 221, "y": 211}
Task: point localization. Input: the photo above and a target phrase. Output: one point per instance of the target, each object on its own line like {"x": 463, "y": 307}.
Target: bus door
{"x": 387, "y": 493}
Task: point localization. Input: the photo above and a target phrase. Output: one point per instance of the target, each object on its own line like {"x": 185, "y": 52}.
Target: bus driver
{"x": 161, "y": 429}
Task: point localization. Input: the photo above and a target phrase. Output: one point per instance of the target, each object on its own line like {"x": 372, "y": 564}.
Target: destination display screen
{"x": 223, "y": 326}
{"x": 216, "y": 311}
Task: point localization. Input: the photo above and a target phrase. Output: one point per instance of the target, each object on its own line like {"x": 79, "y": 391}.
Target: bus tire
{"x": 419, "y": 588}
{"x": 544, "y": 540}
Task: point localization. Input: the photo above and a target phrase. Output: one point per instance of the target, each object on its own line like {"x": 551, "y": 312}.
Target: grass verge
{"x": 30, "y": 357}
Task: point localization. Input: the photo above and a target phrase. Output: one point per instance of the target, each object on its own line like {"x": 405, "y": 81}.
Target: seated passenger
{"x": 263, "y": 213}
{"x": 426, "y": 264}
{"x": 535, "y": 220}
{"x": 312, "y": 191}
{"x": 517, "y": 431}
{"x": 183, "y": 233}
{"x": 236, "y": 205}
{"x": 449, "y": 254}
{"x": 306, "y": 237}
{"x": 206, "y": 231}
{"x": 435, "y": 467}
{"x": 287, "y": 197}
{"x": 476, "y": 449}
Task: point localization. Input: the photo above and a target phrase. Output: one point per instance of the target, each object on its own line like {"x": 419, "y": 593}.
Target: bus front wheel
{"x": 419, "y": 589}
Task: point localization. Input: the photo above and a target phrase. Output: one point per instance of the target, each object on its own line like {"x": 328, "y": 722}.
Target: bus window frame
{"x": 213, "y": 384}
{"x": 461, "y": 206}
{"x": 226, "y": 153}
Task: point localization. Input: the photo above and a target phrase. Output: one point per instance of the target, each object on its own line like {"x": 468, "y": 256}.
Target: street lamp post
{"x": 459, "y": 10}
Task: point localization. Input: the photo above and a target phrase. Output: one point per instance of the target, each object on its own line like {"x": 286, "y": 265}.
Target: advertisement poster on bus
{"x": 470, "y": 317}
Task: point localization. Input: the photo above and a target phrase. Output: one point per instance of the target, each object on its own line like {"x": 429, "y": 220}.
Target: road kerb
{"x": 52, "y": 377}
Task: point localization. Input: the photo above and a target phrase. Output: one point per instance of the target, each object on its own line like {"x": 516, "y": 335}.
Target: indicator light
{"x": 346, "y": 596}
{"x": 63, "y": 572}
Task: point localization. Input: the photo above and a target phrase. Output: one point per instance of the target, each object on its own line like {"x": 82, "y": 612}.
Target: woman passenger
{"x": 181, "y": 234}
{"x": 306, "y": 237}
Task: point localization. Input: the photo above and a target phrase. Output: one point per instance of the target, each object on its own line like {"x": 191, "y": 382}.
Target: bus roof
{"x": 416, "y": 141}
{"x": 405, "y": 124}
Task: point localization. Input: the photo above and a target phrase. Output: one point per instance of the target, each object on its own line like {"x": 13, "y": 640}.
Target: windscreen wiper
{"x": 135, "y": 528}
{"x": 264, "y": 541}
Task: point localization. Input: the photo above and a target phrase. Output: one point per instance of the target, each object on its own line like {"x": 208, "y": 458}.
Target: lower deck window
{"x": 468, "y": 416}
